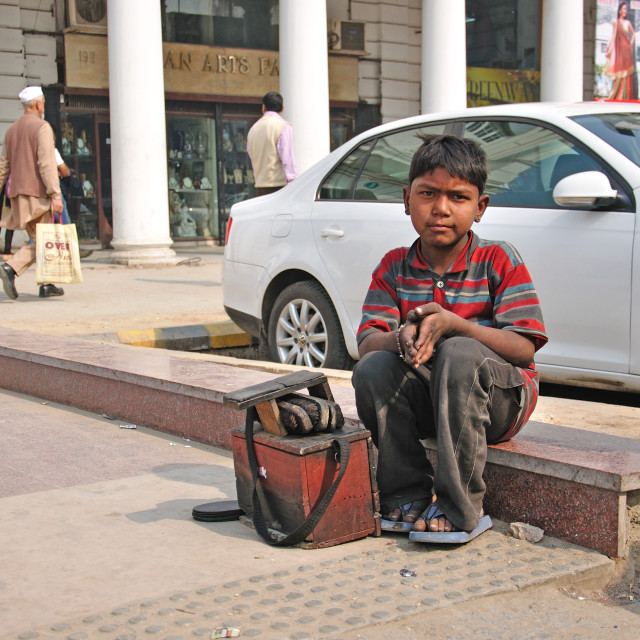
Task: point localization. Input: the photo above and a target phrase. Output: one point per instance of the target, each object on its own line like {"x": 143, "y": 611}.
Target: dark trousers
{"x": 8, "y": 240}
{"x": 465, "y": 396}
{"x": 263, "y": 191}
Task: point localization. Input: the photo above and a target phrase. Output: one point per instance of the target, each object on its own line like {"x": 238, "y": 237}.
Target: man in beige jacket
{"x": 270, "y": 147}
{"x": 28, "y": 156}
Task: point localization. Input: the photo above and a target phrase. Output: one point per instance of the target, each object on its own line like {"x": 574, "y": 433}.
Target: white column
{"x": 138, "y": 134}
{"x": 304, "y": 77}
{"x": 561, "y": 58}
{"x": 444, "y": 56}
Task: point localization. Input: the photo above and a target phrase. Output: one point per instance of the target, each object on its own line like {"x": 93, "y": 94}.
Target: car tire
{"x": 304, "y": 329}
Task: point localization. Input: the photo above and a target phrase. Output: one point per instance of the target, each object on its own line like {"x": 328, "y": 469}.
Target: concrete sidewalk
{"x": 99, "y": 542}
{"x": 115, "y": 298}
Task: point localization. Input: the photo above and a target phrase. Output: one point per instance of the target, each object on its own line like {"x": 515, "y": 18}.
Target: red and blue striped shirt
{"x": 488, "y": 283}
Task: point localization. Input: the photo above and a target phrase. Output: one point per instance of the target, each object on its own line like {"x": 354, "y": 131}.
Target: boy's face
{"x": 442, "y": 209}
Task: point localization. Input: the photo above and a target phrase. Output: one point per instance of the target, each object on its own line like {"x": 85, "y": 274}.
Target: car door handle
{"x": 332, "y": 233}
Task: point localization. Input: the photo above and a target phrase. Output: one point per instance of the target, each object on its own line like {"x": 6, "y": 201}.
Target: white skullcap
{"x": 29, "y": 94}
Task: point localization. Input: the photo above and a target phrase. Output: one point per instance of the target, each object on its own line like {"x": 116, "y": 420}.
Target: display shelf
{"x": 191, "y": 142}
{"x": 77, "y": 144}
{"x": 237, "y": 174}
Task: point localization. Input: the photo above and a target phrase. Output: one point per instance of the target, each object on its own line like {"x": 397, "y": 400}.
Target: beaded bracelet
{"x": 400, "y": 352}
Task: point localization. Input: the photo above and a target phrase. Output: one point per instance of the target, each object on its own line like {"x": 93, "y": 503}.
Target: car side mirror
{"x": 584, "y": 189}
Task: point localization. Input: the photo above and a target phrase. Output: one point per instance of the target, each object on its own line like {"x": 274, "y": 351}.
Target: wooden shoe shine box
{"x": 296, "y": 471}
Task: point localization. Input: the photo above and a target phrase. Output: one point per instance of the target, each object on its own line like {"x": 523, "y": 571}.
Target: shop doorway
{"x": 235, "y": 174}
{"x": 86, "y": 149}
{"x": 105, "y": 213}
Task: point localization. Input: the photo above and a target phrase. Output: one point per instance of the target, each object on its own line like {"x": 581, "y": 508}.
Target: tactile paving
{"x": 323, "y": 599}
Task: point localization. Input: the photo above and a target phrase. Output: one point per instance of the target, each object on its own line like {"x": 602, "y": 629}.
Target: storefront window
{"x": 237, "y": 174}
{"x": 503, "y": 51}
{"x": 193, "y": 201}
{"x": 503, "y": 34}
{"x": 77, "y": 146}
{"x": 249, "y": 24}
{"x": 339, "y": 134}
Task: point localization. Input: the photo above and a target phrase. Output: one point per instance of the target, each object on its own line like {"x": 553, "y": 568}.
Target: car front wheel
{"x": 304, "y": 329}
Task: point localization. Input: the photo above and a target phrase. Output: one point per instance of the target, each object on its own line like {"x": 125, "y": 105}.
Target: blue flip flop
{"x": 395, "y": 526}
{"x": 448, "y": 537}
{"x": 399, "y": 526}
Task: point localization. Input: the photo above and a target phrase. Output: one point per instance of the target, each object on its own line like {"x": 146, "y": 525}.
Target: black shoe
{"x": 8, "y": 275}
{"x": 49, "y": 290}
{"x": 85, "y": 253}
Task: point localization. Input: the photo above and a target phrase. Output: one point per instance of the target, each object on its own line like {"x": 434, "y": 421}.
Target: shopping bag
{"x": 57, "y": 254}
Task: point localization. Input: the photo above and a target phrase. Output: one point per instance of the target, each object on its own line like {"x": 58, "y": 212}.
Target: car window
{"x": 387, "y": 168}
{"x": 385, "y": 172}
{"x": 526, "y": 161}
{"x": 339, "y": 184}
{"x": 620, "y": 130}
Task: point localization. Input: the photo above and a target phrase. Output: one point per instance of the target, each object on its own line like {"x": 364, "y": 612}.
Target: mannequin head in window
{"x": 272, "y": 101}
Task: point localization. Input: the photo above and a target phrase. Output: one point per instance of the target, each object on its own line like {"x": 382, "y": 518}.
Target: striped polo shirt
{"x": 487, "y": 283}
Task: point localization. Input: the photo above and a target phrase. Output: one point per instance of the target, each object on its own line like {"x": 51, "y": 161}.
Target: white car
{"x": 564, "y": 186}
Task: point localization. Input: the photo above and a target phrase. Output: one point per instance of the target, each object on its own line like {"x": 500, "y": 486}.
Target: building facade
{"x": 220, "y": 56}
{"x": 27, "y": 52}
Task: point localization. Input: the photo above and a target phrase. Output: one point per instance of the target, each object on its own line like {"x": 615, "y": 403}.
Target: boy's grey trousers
{"x": 465, "y": 396}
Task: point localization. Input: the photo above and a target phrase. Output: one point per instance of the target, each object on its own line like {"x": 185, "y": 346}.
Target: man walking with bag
{"x": 28, "y": 154}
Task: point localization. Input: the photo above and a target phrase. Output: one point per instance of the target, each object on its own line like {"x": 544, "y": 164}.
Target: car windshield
{"x": 620, "y": 130}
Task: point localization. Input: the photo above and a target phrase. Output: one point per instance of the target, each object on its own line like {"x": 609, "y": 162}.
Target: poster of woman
{"x": 616, "y": 75}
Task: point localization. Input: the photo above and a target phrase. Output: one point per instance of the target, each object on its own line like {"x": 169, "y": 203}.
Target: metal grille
{"x": 199, "y": 108}
{"x": 88, "y": 103}
{"x": 101, "y": 104}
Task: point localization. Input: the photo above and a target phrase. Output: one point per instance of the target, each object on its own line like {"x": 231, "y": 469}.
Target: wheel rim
{"x": 301, "y": 335}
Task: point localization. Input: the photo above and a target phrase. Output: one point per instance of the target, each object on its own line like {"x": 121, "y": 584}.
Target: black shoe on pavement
{"x": 8, "y": 275}
{"x": 49, "y": 290}
{"x": 85, "y": 253}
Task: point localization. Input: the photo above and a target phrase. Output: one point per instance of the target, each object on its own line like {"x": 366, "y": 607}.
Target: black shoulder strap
{"x": 302, "y": 531}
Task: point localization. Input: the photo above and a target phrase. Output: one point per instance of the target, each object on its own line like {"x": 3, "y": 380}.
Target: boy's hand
{"x": 426, "y": 325}
{"x": 407, "y": 336}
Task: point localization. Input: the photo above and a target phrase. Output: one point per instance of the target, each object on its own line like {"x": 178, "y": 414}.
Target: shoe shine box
{"x": 295, "y": 472}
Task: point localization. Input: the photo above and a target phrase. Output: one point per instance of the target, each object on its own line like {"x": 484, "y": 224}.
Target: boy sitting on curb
{"x": 449, "y": 329}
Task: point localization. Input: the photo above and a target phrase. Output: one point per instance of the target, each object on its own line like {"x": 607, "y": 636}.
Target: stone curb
{"x": 195, "y": 337}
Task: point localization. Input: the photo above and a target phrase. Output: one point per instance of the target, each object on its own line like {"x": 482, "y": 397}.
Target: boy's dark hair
{"x": 272, "y": 101}
{"x": 460, "y": 157}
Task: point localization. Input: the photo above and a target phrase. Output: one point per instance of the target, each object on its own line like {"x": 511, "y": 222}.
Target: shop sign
{"x": 199, "y": 69}
{"x": 86, "y": 61}
{"x": 497, "y": 86}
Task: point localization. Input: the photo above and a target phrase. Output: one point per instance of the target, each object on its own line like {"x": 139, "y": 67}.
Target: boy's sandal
{"x": 416, "y": 507}
{"x": 455, "y": 536}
